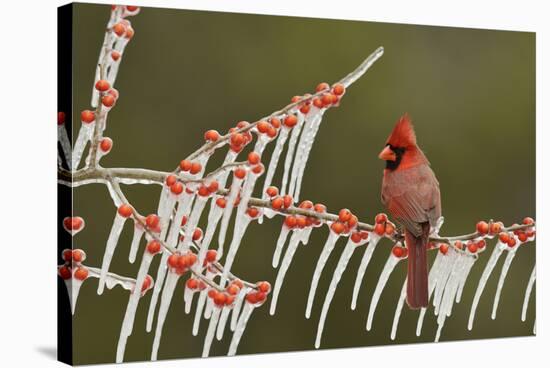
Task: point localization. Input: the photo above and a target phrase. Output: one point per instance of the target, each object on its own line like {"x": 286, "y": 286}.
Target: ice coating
{"x": 469, "y": 262}
{"x": 223, "y": 321}
{"x": 315, "y": 117}
{"x": 239, "y": 329}
{"x": 188, "y": 299}
{"x": 290, "y": 153}
{"x": 440, "y": 263}
{"x": 398, "y": 309}
{"x": 279, "y": 145}
{"x": 73, "y": 289}
{"x": 503, "y": 273}
{"x": 112, "y": 241}
{"x": 365, "y": 260}
{"x": 231, "y": 197}
{"x": 112, "y": 280}
{"x": 382, "y": 280}
{"x": 285, "y": 230}
{"x": 287, "y": 259}
{"x": 443, "y": 279}
{"x": 497, "y": 251}
{"x": 325, "y": 253}
{"x": 84, "y": 134}
{"x": 130, "y": 314}
{"x": 214, "y": 218}
{"x": 63, "y": 139}
{"x": 200, "y": 305}
{"x": 338, "y": 272}
{"x": 211, "y": 331}
{"x": 167, "y": 293}
{"x": 138, "y": 234}
{"x": 528, "y": 294}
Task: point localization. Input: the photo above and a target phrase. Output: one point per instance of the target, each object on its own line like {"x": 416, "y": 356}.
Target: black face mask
{"x": 392, "y": 165}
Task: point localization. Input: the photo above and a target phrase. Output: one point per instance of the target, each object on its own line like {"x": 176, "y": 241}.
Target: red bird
{"x": 410, "y": 192}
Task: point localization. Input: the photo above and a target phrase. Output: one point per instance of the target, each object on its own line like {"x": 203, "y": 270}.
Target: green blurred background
{"x": 470, "y": 92}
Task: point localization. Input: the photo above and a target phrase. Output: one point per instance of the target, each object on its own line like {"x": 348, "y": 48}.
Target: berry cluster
{"x": 347, "y": 222}
{"x": 238, "y": 140}
{"x": 73, "y": 225}
{"x": 259, "y": 295}
{"x": 399, "y": 251}
{"x": 109, "y": 95}
{"x": 181, "y": 263}
{"x": 192, "y": 168}
{"x": 73, "y": 265}
{"x": 383, "y": 227}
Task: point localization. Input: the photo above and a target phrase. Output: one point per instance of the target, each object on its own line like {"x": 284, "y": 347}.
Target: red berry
{"x": 176, "y": 188}
{"x": 458, "y": 244}
{"x": 197, "y": 234}
{"x": 271, "y": 132}
{"x": 472, "y": 248}
{"x": 87, "y": 116}
{"x": 195, "y": 168}
{"x": 495, "y": 227}
{"x": 60, "y": 118}
{"x": 253, "y": 158}
{"x": 379, "y": 229}
{"x": 192, "y": 283}
{"x": 153, "y": 247}
{"x": 522, "y": 237}
{"x": 511, "y": 242}
{"x": 337, "y": 227}
{"x": 344, "y": 215}
{"x": 327, "y": 99}
{"x": 482, "y": 227}
{"x": 528, "y": 221}
{"x": 237, "y": 139}
{"x": 306, "y": 205}
{"x": 78, "y": 255}
{"x": 185, "y": 165}
{"x": 381, "y": 218}
{"x": 221, "y": 202}
{"x": 132, "y": 8}
{"x": 119, "y": 29}
{"x": 67, "y": 255}
{"x": 203, "y": 191}
{"x": 115, "y": 55}
{"x": 276, "y": 123}
{"x": 106, "y": 144}
{"x": 443, "y": 248}
{"x": 129, "y": 33}
{"x": 272, "y": 191}
{"x": 277, "y": 203}
{"x": 183, "y": 220}
{"x": 398, "y": 251}
{"x": 240, "y": 173}
{"x": 102, "y": 85}
{"x": 81, "y": 273}
{"x": 290, "y": 221}
{"x": 152, "y": 221}
{"x": 219, "y": 299}
{"x": 338, "y": 89}
{"x": 481, "y": 244}
{"x": 233, "y": 289}
{"x": 263, "y": 126}
{"x": 212, "y": 135}
{"x": 73, "y": 223}
{"x": 173, "y": 260}
{"x": 211, "y": 255}
{"x": 356, "y": 237}
{"x": 125, "y": 210}
{"x": 253, "y": 212}
{"x": 320, "y": 208}
{"x": 64, "y": 272}
{"x": 264, "y": 286}
{"x": 317, "y": 102}
{"x": 321, "y": 86}
{"x": 301, "y": 222}
{"x": 290, "y": 121}
{"x": 364, "y": 235}
{"x": 170, "y": 180}
{"x": 504, "y": 237}
{"x": 108, "y": 100}
{"x": 258, "y": 169}
{"x": 304, "y": 109}
{"x": 287, "y": 201}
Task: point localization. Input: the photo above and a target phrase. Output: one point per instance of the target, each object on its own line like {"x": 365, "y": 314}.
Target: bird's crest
{"x": 403, "y": 133}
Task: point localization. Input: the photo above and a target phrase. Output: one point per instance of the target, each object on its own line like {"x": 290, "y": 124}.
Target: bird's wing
{"x": 412, "y": 196}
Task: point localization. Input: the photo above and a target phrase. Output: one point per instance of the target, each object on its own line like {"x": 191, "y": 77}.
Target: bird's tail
{"x": 417, "y": 275}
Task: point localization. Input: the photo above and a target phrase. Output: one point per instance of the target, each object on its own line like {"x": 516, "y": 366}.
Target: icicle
{"x": 194, "y": 218}
{"x": 444, "y": 278}
{"x": 305, "y": 235}
{"x": 497, "y": 251}
{"x": 290, "y": 153}
{"x": 222, "y": 323}
{"x": 233, "y": 193}
{"x": 214, "y": 218}
{"x": 211, "y": 331}
{"x": 505, "y": 267}
{"x": 467, "y": 268}
{"x": 281, "y": 140}
{"x": 433, "y": 278}
{"x": 528, "y": 294}
{"x": 280, "y": 244}
{"x": 382, "y": 280}
{"x": 73, "y": 289}
{"x": 299, "y": 148}
{"x": 208, "y": 309}
{"x": 188, "y": 299}
{"x": 287, "y": 259}
{"x": 112, "y": 241}
{"x": 398, "y": 310}
{"x": 369, "y": 249}
{"x": 84, "y": 135}
{"x": 325, "y": 253}
{"x": 200, "y": 305}
{"x": 63, "y": 139}
{"x": 166, "y": 207}
{"x": 313, "y": 122}
{"x": 239, "y": 330}
{"x": 129, "y": 316}
{"x": 167, "y": 293}
{"x": 338, "y": 272}
{"x": 237, "y": 308}
{"x": 138, "y": 233}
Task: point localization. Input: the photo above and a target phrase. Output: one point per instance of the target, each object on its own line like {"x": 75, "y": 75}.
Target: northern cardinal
{"x": 410, "y": 192}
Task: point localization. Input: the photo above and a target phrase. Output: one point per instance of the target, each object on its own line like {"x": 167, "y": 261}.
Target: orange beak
{"x": 387, "y": 154}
